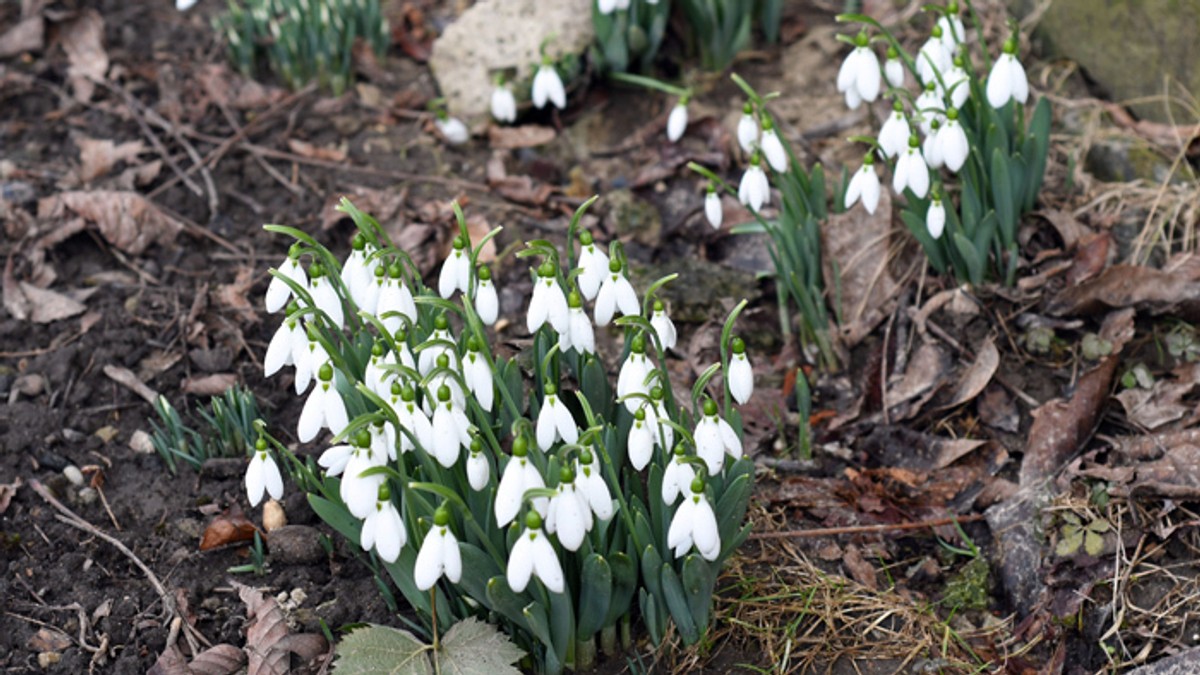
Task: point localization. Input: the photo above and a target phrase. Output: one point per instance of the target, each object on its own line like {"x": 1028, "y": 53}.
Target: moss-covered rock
{"x": 1131, "y": 48}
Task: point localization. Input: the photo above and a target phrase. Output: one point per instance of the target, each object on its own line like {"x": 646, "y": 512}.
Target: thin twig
{"x": 867, "y": 529}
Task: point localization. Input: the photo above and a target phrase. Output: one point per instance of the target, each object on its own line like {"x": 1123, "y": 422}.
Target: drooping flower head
{"x": 864, "y": 185}
{"x": 383, "y": 529}
{"x": 593, "y": 265}
{"x": 323, "y": 409}
{"x": 713, "y": 210}
{"x": 911, "y": 171}
{"x": 487, "y": 302}
{"x": 695, "y": 524}
{"x": 714, "y": 439}
{"x": 893, "y": 68}
{"x": 663, "y": 326}
{"x": 747, "y": 129}
{"x": 754, "y": 192}
{"x": 893, "y": 135}
{"x": 740, "y": 375}
{"x": 568, "y": 515}
{"x": 677, "y": 121}
{"x": 859, "y": 78}
{"x": 616, "y": 295}
{"x": 324, "y": 295}
{"x": 548, "y": 304}
{"x": 278, "y": 291}
{"x": 439, "y": 555}
{"x": 554, "y": 420}
{"x": 533, "y": 555}
{"x": 933, "y": 58}
{"x": 548, "y": 86}
{"x": 520, "y": 475}
{"x": 456, "y": 271}
{"x": 772, "y": 147}
{"x": 1007, "y": 81}
{"x": 262, "y": 475}
{"x": 504, "y": 104}
{"x": 935, "y": 218}
{"x": 952, "y": 143}
{"x": 579, "y": 334}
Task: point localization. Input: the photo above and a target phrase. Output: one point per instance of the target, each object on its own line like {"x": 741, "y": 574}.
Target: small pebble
{"x": 73, "y": 474}
{"x": 73, "y": 435}
{"x": 47, "y": 659}
{"x": 273, "y": 516}
{"x": 87, "y": 495}
{"x": 296, "y": 545}
{"x": 141, "y": 443}
{"x": 51, "y": 461}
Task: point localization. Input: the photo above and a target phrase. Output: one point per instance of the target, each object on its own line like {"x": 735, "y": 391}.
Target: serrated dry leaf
{"x": 98, "y": 157}
{"x": 267, "y": 627}
{"x": 127, "y": 220}
{"x": 379, "y": 650}
{"x": 472, "y": 647}
{"x": 83, "y": 40}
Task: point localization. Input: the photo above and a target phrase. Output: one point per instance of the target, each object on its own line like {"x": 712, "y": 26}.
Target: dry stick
{"x": 271, "y": 171}
{"x": 155, "y": 141}
{"x": 866, "y": 529}
{"x": 74, "y": 520}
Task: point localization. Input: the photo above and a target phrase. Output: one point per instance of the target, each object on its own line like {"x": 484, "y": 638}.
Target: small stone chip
{"x": 47, "y": 659}
{"x": 273, "y": 516}
{"x": 141, "y": 443}
{"x": 73, "y": 474}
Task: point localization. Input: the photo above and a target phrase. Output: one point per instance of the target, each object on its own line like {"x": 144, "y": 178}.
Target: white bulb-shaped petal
{"x": 278, "y": 292}
{"x": 324, "y": 408}
{"x": 754, "y": 191}
{"x": 594, "y": 490}
{"x": 383, "y": 530}
{"x": 262, "y": 475}
{"x": 616, "y": 294}
{"x": 554, "y": 423}
{"x": 860, "y": 78}
{"x": 679, "y": 534}
{"x": 928, "y": 108}
{"x": 864, "y": 185}
{"x": 281, "y": 346}
{"x": 741, "y": 378}
{"x": 184, "y": 5}
{"x": 548, "y": 304}
{"x": 357, "y": 491}
{"x": 335, "y": 458}
{"x": 932, "y": 152}
{"x": 677, "y": 479}
{"x": 439, "y": 555}
{"x": 593, "y": 262}
{"x": 935, "y": 219}
{"x": 477, "y": 471}
{"x": 640, "y": 445}
{"x": 893, "y": 72}
{"x": 664, "y": 328}
{"x": 452, "y": 270}
{"x": 487, "y": 304}
{"x": 958, "y": 87}
{"x": 533, "y": 554}
{"x": 953, "y": 31}
{"x": 713, "y": 210}
{"x": 893, "y": 135}
{"x": 394, "y": 304}
{"x": 453, "y": 130}
{"x": 548, "y": 88}
{"x": 933, "y": 59}
{"x": 579, "y": 334}
{"x": 677, "y": 122}
{"x": 1007, "y": 81}
{"x": 446, "y": 436}
{"x": 568, "y": 517}
{"x": 773, "y": 150}
{"x": 606, "y": 6}
{"x": 478, "y": 375}
{"x": 953, "y": 146}
{"x": 327, "y": 300}
{"x": 912, "y": 173}
{"x": 504, "y": 105}
{"x": 747, "y": 132}
{"x": 631, "y": 379}
{"x": 519, "y": 476}
{"x": 705, "y": 534}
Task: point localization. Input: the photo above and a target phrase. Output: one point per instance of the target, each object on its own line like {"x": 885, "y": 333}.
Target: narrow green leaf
{"x": 699, "y": 578}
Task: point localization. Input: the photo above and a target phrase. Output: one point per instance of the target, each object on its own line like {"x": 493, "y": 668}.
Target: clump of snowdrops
{"x": 965, "y": 136}
{"x": 531, "y": 490}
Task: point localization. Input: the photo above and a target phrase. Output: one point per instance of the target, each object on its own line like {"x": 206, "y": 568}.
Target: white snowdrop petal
{"x": 935, "y": 219}
{"x": 999, "y": 82}
{"x": 311, "y": 416}
{"x": 448, "y": 277}
{"x": 487, "y": 304}
{"x": 272, "y": 479}
{"x": 428, "y": 567}
{"x": 255, "y": 480}
{"x": 713, "y": 210}
{"x": 1020, "y": 82}
{"x": 741, "y": 378}
{"x": 545, "y": 562}
{"x": 335, "y": 411}
{"x": 868, "y": 76}
{"x": 627, "y": 301}
{"x": 451, "y": 558}
{"x": 477, "y": 471}
{"x": 893, "y": 70}
{"x": 508, "y": 493}
{"x": 279, "y": 350}
{"x": 520, "y": 562}
{"x": 390, "y": 537}
{"x": 445, "y": 436}
{"x": 704, "y": 526}
{"x": 606, "y": 302}
{"x": 774, "y": 151}
{"x": 545, "y": 427}
{"x": 681, "y": 524}
{"x": 677, "y": 122}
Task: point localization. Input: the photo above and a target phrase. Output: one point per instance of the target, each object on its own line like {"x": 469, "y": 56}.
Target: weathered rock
{"x": 504, "y": 35}
{"x": 1183, "y": 663}
{"x": 296, "y": 545}
{"x": 700, "y": 286}
{"x": 1131, "y": 48}
{"x": 633, "y": 218}
{"x": 1125, "y": 158}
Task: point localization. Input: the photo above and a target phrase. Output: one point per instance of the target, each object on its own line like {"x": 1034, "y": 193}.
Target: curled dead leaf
{"x": 305, "y": 149}
{"x": 209, "y": 385}
{"x": 229, "y": 527}
{"x": 127, "y": 220}
{"x": 82, "y": 39}
{"x": 98, "y": 157}
{"x": 855, "y": 259}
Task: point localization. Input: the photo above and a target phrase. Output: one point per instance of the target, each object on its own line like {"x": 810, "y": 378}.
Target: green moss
{"x": 970, "y": 587}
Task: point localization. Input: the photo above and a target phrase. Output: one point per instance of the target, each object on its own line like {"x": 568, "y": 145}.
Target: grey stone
{"x": 296, "y": 545}
{"x": 504, "y": 35}
{"x": 1183, "y": 663}
{"x": 1131, "y": 48}
{"x": 1125, "y": 158}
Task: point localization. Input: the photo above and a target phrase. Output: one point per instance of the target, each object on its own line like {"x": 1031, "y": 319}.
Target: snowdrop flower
{"x": 933, "y": 58}
{"x": 935, "y": 218}
{"x": 439, "y": 555}
{"x": 487, "y": 304}
{"x": 640, "y": 443}
{"x": 859, "y": 77}
{"x": 443, "y": 375}
{"x": 568, "y": 516}
{"x": 335, "y": 458}
{"x": 591, "y": 486}
{"x": 663, "y": 326}
{"x": 532, "y": 555}
{"x": 478, "y": 374}
{"x": 911, "y": 171}
{"x": 664, "y": 434}
{"x": 376, "y": 376}
{"x": 893, "y": 136}
{"x": 413, "y": 419}
{"x": 695, "y": 523}
{"x": 747, "y": 129}
{"x": 383, "y": 530}
{"x": 930, "y": 148}
{"x": 520, "y": 476}
{"x": 452, "y": 129}
{"x": 893, "y": 68}
{"x": 262, "y": 475}
{"x": 478, "y": 470}
{"x": 864, "y": 185}
{"x": 357, "y": 491}
{"x": 357, "y": 274}
{"x": 324, "y": 408}
{"x": 755, "y": 190}
{"x": 606, "y": 6}
{"x": 307, "y": 358}
{"x": 740, "y": 375}
{"x": 548, "y": 86}
{"x": 772, "y": 147}
{"x": 456, "y": 271}
{"x": 677, "y": 120}
{"x": 440, "y": 343}
{"x": 548, "y": 303}
{"x": 288, "y": 339}
{"x": 593, "y": 263}
{"x": 714, "y": 438}
{"x": 952, "y": 142}
{"x": 451, "y": 429}
{"x": 554, "y": 421}
{"x": 278, "y": 292}
{"x": 616, "y": 294}
{"x": 713, "y": 210}
{"x": 504, "y": 104}
{"x": 1007, "y": 81}
{"x": 184, "y": 5}
{"x": 395, "y": 303}
{"x": 631, "y": 379}
{"x": 324, "y": 295}
{"x": 958, "y": 87}
{"x": 383, "y": 439}
{"x": 678, "y": 475}
{"x": 579, "y": 334}
{"x": 953, "y": 31}
{"x": 929, "y": 108}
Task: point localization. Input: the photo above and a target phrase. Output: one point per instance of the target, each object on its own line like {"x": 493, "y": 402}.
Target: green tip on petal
{"x": 697, "y": 485}
{"x": 914, "y": 141}
{"x": 748, "y": 108}
{"x": 408, "y": 394}
{"x": 737, "y": 346}
{"x": 441, "y": 517}
{"x": 377, "y": 349}
{"x": 520, "y": 447}
{"x": 710, "y": 408}
{"x": 443, "y": 394}
{"x": 533, "y": 520}
{"x": 325, "y": 373}
{"x": 679, "y": 451}
{"x": 898, "y": 105}
{"x": 315, "y": 270}
{"x": 476, "y": 445}
{"x": 892, "y": 53}
{"x": 640, "y": 415}
{"x": 1010, "y": 46}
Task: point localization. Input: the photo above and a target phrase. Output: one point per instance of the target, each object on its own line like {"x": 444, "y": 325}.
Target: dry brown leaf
{"x": 83, "y": 40}
{"x": 28, "y": 35}
{"x": 1162, "y": 403}
{"x": 521, "y": 189}
{"x": 1090, "y": 257}
{"x": 997, "y": 409}
{"x": 925, "y": 373}
{"x": 383, "y": 205}
{"x": 1175, "y": 475}
{"x": 305, "y": 149}
{"x": 49, "y": 640}
{"x": 307, "y": 646}
{"x": 218, "y": 660}
{"x": 950, "y": 450}
{"x": 978, "y": 375}
{"x": 209, "y": 385}
{"x": 477, "y": 229}
{"x": 1069, "y": 229}
{"x": 854, "y": 258}
{"x": 46, "y": 306}
{"x": 127, "y": 220}
{"x": 125, "y": 377}
{"x": 267, "y": 628}
{"x": 7, "y": 490}
{"x": 233, "y": 295}
{"x": 158, "y": 362}
{"x": 170, "y": 662}
{"x": 139, "y": 176}
{"x": 1128, "y": 286}
{"x": 229, "y": 527}
{"x": 860, "y": 570}
{"x": 525, "y": 136}
{"x": 98, "y": 157}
